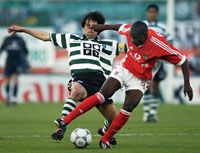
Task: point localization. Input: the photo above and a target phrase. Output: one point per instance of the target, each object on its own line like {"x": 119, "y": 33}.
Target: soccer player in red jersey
{"x": 145, "y": 48}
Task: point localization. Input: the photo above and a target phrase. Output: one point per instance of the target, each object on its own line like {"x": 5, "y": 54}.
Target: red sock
{"x": 84, "y": 106}
{"x": 116, "y": 125}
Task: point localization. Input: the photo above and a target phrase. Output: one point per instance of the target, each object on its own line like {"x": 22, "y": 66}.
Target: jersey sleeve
{"x": 168, "y": 52}
{"x": 4, "y": 44}
{"x": 121, "y": 48}
{"x": 24, "y": 49}
{"x": 124, "y": 29}
{"x": 61, "y": 40}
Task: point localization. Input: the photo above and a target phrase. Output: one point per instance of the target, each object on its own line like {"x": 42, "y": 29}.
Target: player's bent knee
{"x": 76, "y": 94}
{"x": 130, "y": 107}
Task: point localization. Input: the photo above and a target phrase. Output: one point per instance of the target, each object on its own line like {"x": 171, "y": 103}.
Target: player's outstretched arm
{"x": 187, "y": 88}
{"x": 102, "y": 27}
{"x": 35, "y": 33}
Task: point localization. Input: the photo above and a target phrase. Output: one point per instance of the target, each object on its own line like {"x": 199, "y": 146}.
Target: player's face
{"x": 89, "y": 33}
{"x": 138, "y": 39}
{"x": 152, "y": 14}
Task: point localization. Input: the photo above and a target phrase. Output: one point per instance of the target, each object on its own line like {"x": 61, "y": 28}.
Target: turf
{"x": 26, "y": 128}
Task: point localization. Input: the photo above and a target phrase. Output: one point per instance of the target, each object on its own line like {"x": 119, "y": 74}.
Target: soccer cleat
{"x": 151, "y": 119}
{"x": 8, "y": 103}
{"x": 58, "y": 135}
{"x": 60, "y": 123}
{"x": 104, "y": 145}
{"x": 112, "y": 140}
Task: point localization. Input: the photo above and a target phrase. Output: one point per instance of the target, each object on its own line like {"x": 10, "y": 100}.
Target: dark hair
{"x": 139, "y": 28}
{"x": 95, "y": 16}
{"x": 154, "y": 6}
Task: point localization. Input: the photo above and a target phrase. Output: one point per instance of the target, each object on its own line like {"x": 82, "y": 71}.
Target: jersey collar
{"x": 85, "y": 38}
{"x": 152, "y": 23}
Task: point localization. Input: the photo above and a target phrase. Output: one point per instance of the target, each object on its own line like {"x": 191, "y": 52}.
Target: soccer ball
{"x": 81, "y": 137}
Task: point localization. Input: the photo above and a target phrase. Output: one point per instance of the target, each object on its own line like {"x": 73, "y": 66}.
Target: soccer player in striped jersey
{"x": 145, "y": 48}
{"x": 153, "y": 95}
{"x": 90, "y": 60}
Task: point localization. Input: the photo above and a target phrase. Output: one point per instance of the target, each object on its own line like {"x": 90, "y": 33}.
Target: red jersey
{"x": 140, "y": 60}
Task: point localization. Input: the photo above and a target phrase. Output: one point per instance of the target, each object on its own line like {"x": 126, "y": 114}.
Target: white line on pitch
{"x": 95, "y": 135}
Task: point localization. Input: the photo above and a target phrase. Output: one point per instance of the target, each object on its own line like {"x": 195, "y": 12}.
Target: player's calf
{"x": 60, "y": 123}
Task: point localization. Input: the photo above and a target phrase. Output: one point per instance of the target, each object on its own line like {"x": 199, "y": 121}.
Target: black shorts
{"x": 12, "y": 68}
{"x": 92, "y": 82}
{"x": 161, "y": 74}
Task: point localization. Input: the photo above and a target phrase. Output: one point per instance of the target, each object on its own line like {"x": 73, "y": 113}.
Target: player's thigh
{"x": 132, "y": 99}
{"x": 109, "y": 87}
{"x": 78, "y": 92}
{"x": 8, "y": 72}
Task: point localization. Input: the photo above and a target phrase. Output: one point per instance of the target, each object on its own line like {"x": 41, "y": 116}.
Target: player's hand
{"x": 188, "y": 91}
{"x": 14, "y": 28}
{"x": 98, "y": 27}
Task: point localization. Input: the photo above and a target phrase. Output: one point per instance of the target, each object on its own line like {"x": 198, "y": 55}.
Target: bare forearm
{"x": 37, "y": 34}
{"x": 185, "y": 71}
{"x": 113, "y": 27}
{"x": 187, "y": 88}
{"x": 103, "y": 27}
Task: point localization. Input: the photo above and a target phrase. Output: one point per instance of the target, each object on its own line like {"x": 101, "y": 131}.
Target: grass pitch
{"x": 26, "y": 128}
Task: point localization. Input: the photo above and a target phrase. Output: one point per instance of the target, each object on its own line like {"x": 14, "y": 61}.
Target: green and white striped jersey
{"x": 88, "y": 55}
{"x": 161, "y": 28}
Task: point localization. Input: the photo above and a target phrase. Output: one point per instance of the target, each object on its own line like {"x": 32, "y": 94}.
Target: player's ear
{"x": 145, "y": 36}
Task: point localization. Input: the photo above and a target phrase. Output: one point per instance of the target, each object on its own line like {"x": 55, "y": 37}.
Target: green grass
{"x": 26, "y": 128}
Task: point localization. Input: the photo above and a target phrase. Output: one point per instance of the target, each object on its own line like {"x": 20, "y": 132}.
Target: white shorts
{"x": 128, "y": 80}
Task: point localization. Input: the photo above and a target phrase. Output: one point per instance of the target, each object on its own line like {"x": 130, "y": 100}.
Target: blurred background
{"x": 48, "y": 76}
